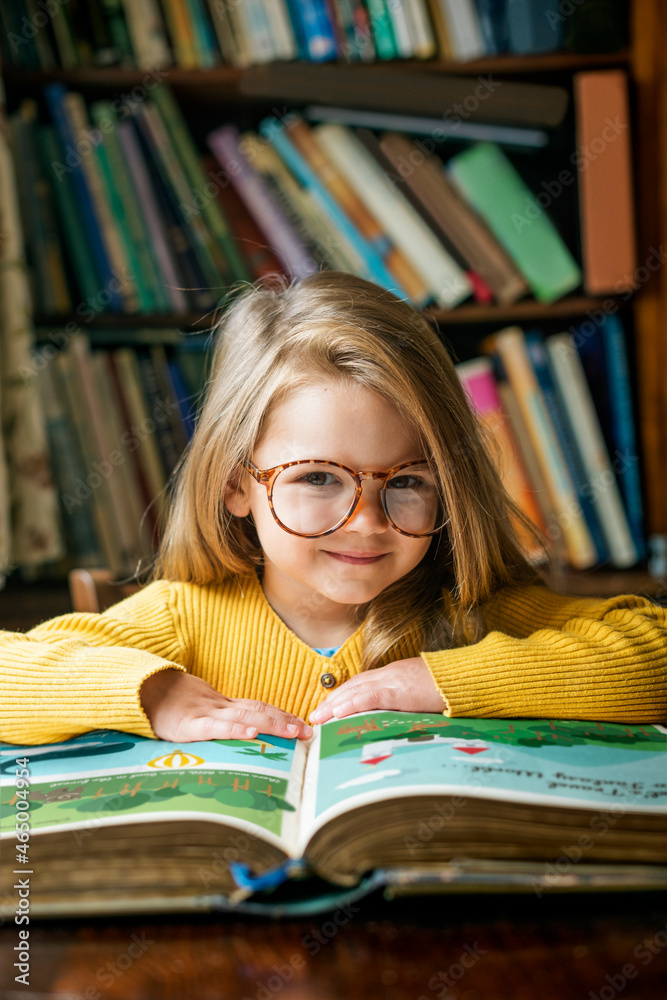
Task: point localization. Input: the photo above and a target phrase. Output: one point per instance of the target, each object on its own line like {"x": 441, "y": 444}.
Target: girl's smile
{"x": 315, "y": 584}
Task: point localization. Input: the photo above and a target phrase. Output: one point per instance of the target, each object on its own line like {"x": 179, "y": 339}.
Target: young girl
{"x": 338, "y": 542}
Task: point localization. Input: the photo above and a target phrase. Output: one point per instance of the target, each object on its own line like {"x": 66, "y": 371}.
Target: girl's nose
{"x": 369, "y": 515}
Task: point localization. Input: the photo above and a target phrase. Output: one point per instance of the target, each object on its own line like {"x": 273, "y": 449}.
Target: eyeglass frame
{"x": 267, "y": 477}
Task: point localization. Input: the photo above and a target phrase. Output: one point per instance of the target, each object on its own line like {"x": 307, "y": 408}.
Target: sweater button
{"x": 327, "y": 680}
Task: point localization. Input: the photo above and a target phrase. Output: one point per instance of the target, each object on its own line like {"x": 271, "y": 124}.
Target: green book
{"x": 227, "y": 256}
{"x": 127, "y": 211}
{"x": 383, "y": 33}
{"x": 487, "y": 179}
{"x": 68, "y": 213}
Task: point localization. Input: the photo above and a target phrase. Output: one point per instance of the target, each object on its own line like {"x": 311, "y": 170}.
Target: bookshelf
{"x": 230, "y": 93}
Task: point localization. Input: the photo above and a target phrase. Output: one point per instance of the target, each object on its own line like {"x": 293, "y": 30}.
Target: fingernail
{"x": 315, "y": 716}
{"x": 292, "y": 728}
{"x": 308, "y": 730}
{"x": 251, "y": 731}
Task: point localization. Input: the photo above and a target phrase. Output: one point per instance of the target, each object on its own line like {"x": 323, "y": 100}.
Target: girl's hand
{"x": 404, "y": 685}
{"x": 183, "y": 708}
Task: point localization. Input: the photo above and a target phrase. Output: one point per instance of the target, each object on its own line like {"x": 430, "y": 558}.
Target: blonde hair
{"x": 273, "y": 340}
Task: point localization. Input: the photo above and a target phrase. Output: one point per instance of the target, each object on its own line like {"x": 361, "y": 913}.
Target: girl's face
{"x": 346, "y": 423}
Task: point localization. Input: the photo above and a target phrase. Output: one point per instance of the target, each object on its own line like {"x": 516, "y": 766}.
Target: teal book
{"x": 67, "y": 214}
{"x": 387, "y": 798}
{"x": 494, "y": 188}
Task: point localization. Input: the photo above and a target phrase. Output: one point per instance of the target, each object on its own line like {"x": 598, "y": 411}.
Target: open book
{"x": 110, "y": 821}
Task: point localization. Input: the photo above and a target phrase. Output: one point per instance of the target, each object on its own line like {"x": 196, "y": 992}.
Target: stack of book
{"x": 203, "y": 34}
{"x": 557, "y": 414}
{"x": 147, "y": 226}
{"x": 117, "y": 422}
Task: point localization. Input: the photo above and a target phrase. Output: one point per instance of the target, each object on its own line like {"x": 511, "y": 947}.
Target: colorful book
{"x": 480, "y": 385}
{"x": 56, "y": 94}
{"x": 495, "y": 189}
{"x": 447, "y": 283}
{"x": 463, "y": 29}
{"x": 463, "y": 805}
{"x": 372, "y": 259}
{"x": 142, "y": 426}
{"x": 171, "y": 279}
{"x": 623, "y": 448}
{"x": 51, "y": 294}
{"x": 562, "y": 419}
{"x": 180, "y": 31}
{"x": 68, "y": 467}
{"x": 226, "y": 255}
{"x": 147, "y": 34}
{"x": 603, "y": 158}
{"x": 223, "y": 143}
{"x": 510, "y": 345}
{"x": 601, "y": 479}
{"x": 304, "y": 213}
{"x": 426, "y": 178}
{"x": 356, "y": 209}
{"x": 314, "y": 30}
{"x": 128, "y": 209}
{"x": 67, "y": 213}
{"x": 250, "y": 241}
{"x": 92, "y": 488}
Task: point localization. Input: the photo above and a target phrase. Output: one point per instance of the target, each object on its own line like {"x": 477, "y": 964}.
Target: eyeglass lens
{"x": 313, "y": 498}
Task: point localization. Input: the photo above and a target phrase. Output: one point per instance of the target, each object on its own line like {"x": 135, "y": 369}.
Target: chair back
{"x": 95, "y": 589}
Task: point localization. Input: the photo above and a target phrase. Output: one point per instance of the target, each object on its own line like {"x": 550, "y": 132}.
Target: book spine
{"x": 129, "y": 211}
{"x": 180, "y": 31}
{"x": 602, "y": 483}
{"x": 76, "y": 111}
{"x": 159, "y": 408}
{"x": 480, "y": 385}
{"x": 328, "y": 247}
{"x": 396, "y": 10}
{"x": 511, "y": 347}
{"x": 349, "y": 202}
{"x": 224, "y": 146}
{"x": 284, "y": 38}
{"x": 93, "y": 486}
{"x": 142, "y": 428}
{"x": 197, "y": 288}
{"x": 257, "y": 31}
{"x": 147, "y": 34}
{"x": 228, "y": 257}
{"x": 206, "y": 49}
{"x": 464, "y": 29}
{"x": 561, "y": 419}
{"x": 606, "y": 203}
{"x": 175, "y": 181}
{"x": 383, "y": 35}
{"x": 626, "y": 457}
{"x": 68, "y": 467}
{"x": 447, "y": 283}
{"x": 55, "y": 95}
{"x": 375, "y": 267}
{"x": 171, "y": 280}
{"x": 259, "y": 259}
{"x": 67, "y": 212}
{"x": 461, "y": 226}
{"x": 493, "y": 187}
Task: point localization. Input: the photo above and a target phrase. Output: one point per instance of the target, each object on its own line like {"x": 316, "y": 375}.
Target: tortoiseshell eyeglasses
{"x": 314, "y": 497}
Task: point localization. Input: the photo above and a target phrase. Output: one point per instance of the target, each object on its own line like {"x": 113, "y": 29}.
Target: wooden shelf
{"x": 608, "y": 583}
{"x": 230, "y": 77}
{"x": 519, "y": 312}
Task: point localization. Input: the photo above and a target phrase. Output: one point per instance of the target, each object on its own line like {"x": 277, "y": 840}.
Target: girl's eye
{"x": 318, "y": 479}
{"x": 405, "y": 483}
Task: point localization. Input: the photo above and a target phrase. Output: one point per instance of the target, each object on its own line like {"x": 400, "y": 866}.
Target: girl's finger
{"x": 262, "y": 721}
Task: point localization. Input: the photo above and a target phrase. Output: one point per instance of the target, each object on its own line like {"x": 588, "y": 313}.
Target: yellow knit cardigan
{"x": 545, "y": 655}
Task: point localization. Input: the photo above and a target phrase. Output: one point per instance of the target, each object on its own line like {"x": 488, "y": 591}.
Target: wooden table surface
{"x": 418, "y": 948}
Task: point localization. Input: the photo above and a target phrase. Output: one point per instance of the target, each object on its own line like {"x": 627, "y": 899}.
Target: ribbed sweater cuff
{"x": 503, "y": 677}
{"x": 98, "y": 688}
